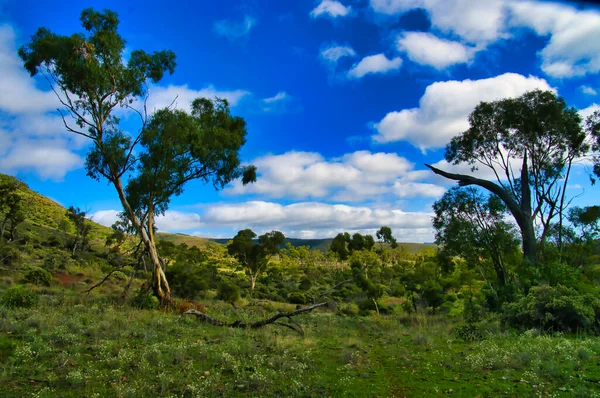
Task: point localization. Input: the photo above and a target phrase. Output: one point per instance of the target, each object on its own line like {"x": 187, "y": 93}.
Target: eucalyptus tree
{"x": 91, "y": 81}
{"x": 253, "y": 254}
{"x": 530, "y": 145}
{"x": 384, "y": 235}
{"x": 11, "y": 206}
{"x": 472, "y": 225}
{"x": 82, "y": 228}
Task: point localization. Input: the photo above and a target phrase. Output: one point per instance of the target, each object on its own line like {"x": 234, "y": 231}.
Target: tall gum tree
{"x": 530, "y": 144}
{"x": 87, "y": 73}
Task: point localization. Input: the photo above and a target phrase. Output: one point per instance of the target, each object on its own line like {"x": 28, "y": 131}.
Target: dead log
{"x": 259, "y": 324}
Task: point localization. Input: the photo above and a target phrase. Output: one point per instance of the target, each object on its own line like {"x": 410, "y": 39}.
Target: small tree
{"x": 338, "y": 247}
{"x": 11, "y": 207}
{"x": 254, "y": 256}
{"x": 384, "y": 235}
{"x": 82, "y": 229}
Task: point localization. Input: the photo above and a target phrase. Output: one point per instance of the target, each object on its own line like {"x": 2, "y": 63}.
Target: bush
{"x": 557, "y": 308}
{"x": 37, "y": 276}
{"x": 190, "y": 280}
{"x": 297, "y": 298}
{"x": 9, "y": 254}
{"x": 144, "y": 300}
{"x": 468, "y": 332}
{"x": 118, "y": 275}
{"x": 228, "y": 292}
{"x": 57, "y": 261}
{"x": 19, "y": 296}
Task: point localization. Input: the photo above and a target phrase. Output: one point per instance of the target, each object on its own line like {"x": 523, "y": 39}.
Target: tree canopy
{"x": 530, "y": 144}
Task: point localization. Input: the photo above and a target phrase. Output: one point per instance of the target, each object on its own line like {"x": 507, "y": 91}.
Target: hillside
{"x": 45, "y": 215}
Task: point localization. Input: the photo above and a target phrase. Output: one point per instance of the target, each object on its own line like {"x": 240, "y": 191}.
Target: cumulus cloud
{"x": 570, "y": 51}
{"x": 478, "y": 22}
{"x": 374, "y": 64}
{"x": 428, "y": 49}
{"x": 444, "y": 109}
{"x": 234, "y": 30}
{"x": 354, "y": 177}
{"x": 302, "y": 220}
{"x": 330, "y": 8}
{"x": 32, "y": 135}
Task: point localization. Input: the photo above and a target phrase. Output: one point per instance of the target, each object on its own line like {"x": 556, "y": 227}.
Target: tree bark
{"x": 520, "y": 211}
{"x": 159, "y": 282}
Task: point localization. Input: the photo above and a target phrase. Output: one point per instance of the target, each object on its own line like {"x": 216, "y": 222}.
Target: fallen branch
{"x": 255, "y": 325}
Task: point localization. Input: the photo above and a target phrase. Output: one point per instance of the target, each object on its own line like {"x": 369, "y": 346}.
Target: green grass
{"x": 74, "y": 346}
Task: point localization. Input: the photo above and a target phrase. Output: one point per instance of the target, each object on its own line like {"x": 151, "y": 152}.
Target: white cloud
{"x": 572, "y": 49}
{"x": 18, "y": 92}
{"x": 479, "y": 22}
{"x": 32, "y": 136}
{"x": 330, "y": 8}
{"x": 444, "y": 109}
{"x": 303, "y": 220}
{"x": 161, "y": 97}
{"x": 333, "y": 53}
{"x": 587, "y": 112}
{"x": 427, "y": 49}
{"x": 354, "y": 177}
{"x": 378, "y": 63}
{"x": 279, "y": 103}
{"x": 588, "y": 90}
{"x": 311, "y": 215}
{"x": 49, "y": 159}
{"x": 234, "y": 30}
{"x": 105, "y": 217}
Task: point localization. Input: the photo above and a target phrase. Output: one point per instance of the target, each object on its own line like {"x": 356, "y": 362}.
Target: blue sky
{"x": 345, "y": 101}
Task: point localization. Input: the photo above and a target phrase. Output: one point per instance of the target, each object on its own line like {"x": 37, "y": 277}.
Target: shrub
{"x": 297, "y": 298}
{"x": 145, "y": 300}
{"x": 557, "y": 308}
{"x": 228, "y": 292}
{"x": 468, "y": 332}
{"x": 37, "y": 276}
{"x": 190, "y": 280}
{"x": 9, "y": 254}
{"x": 57, "y": 261}
{"x": 19, "y": 296}
{"x": 304, "y": 285}
{"x": 118, "y": 275}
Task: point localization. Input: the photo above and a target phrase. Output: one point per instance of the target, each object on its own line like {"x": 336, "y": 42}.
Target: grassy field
{"x": 74, "y": 345}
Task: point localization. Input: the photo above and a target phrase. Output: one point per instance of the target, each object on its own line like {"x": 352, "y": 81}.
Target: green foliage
{"x": 254, "y": 256}
{"x": 298, "y": 298}
{"x": 557, "y": 308}
{"x": 471, "y": 225}
{"x": 145, "y": 300}
{"x": 190, "y": 280}
{"x": 228, "y": 292}
{"x": 37, "y": 276}
{"x": 83, "y": 227}
{"x": 338, "y": 246}
{"x": 11, "y": 207}
{"x": 468, "y": 332}
{"x": 19, "y": 296}
{"x": 9, "y": 254}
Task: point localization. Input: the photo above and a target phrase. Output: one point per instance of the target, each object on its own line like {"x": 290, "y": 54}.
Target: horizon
{"x": 345, "y": 102}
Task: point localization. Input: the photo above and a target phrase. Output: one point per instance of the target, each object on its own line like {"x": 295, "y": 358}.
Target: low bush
{"x": 144, "y": 300}
{"x": 228, "y": 292}
{"x": 19, "y": 296}
{"x": 37, "y": 276}
{"x": 557, "y": 308}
